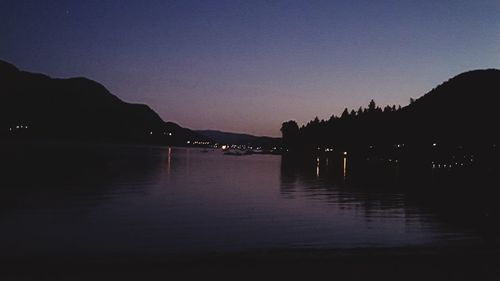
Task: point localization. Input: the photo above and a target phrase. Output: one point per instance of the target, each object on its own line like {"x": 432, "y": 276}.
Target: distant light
{"x": 169, "y": 134}
{"x": 17, "y": 127}
{"x": 224, "y": 146}
{"x": 434, "y": 144}
{"x": 345, "y": 152}
{"x": 151, "y": 132}
{"x": 188, "y": 142}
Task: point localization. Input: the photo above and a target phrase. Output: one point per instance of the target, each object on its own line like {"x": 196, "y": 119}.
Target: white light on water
{"x": 345, "y": 168}
{"x": 317, "y": 167}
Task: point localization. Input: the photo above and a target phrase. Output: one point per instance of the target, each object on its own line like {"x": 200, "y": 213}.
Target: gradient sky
{"x": 247, "y": 66}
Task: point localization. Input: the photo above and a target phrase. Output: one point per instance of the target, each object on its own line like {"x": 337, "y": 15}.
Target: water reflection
{"x": 332, "y": 186}
{"x": 61, "y": 175}
{"x": 129, "y": 200}
{"x": 317, "y": 167}
{"x": 169, "y": 159}
{"x": 400, "y": 191}
{"x": 345, "y": 166}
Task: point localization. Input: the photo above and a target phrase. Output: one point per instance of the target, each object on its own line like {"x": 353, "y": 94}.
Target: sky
{"x": 248, "y": 66}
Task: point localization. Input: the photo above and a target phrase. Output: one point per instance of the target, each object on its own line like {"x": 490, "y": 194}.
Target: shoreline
{"x": 398, "y": 263}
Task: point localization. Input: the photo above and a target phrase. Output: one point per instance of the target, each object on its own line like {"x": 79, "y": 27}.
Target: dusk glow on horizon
{"x": 247, "y": 66}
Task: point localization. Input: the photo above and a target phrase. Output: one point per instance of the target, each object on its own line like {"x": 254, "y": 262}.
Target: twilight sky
{"x": 247, "y": 66}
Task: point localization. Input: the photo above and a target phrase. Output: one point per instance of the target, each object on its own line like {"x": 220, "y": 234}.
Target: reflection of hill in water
{"x": 323, "y": 179}
{"x": 47, "y": 175}
{"x": 463, "y": 197}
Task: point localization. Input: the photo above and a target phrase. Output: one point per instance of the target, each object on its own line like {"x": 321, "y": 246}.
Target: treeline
{"x": 353, "y": 128}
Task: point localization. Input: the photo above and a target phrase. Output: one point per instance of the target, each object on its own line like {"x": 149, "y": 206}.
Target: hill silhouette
{"x": 459, "y": 112}
{"x": 38, "y": 106}
{"x": 240, "y": 139}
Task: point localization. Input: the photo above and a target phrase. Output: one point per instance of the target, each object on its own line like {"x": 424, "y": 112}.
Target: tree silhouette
{"x": 345, "y": 114}
{"x": 290, "y": 134}
{"x": 372, "y": 106}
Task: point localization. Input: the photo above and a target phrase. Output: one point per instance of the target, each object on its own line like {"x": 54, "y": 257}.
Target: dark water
{"x": 98, "y": 200}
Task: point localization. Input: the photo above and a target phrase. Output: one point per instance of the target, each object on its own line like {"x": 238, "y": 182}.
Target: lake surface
{"x": 99, "y": 200}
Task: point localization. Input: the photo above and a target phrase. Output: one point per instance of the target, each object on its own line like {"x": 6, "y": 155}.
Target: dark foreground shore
{"x": 354, "y": 264}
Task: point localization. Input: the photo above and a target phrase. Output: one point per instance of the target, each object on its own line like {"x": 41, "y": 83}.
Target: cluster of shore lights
{"x": 400, "y": 145}
{"x": 18, "y": 127}
{"x": 197, "y": 142}
{"x": 330, "y": 150}
{"x": 449, "y": 165}
{"x": 164, "y": 133}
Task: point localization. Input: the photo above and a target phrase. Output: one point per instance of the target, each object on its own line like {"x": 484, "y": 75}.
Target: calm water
{"x": 120, "y": 200}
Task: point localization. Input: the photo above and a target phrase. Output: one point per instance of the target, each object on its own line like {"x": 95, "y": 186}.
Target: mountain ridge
{"x": 224, "y": 137}
{"x": 38, "y": 106}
